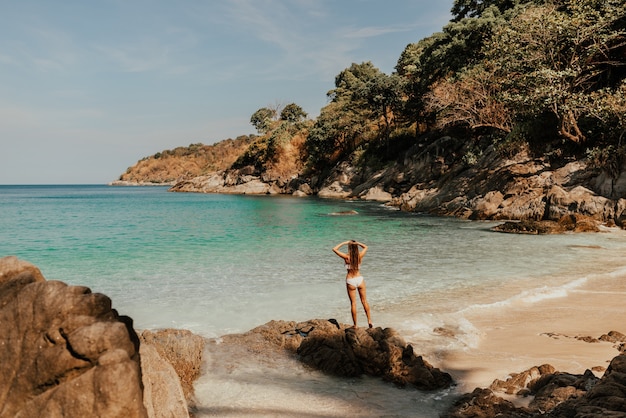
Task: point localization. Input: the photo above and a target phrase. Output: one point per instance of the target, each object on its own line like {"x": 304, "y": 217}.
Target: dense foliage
{"x": 548, "y": 73}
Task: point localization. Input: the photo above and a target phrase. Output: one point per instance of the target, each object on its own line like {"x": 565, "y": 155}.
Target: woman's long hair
{"x": 353, "y": 253}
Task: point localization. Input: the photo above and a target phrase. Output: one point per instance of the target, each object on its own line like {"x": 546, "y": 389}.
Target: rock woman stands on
{"x": 354, "y": 279}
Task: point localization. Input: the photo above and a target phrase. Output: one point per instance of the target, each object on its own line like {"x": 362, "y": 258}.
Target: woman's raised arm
{"x": 338, "y": 246}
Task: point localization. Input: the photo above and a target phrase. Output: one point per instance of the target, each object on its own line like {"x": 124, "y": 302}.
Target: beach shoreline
{"x": 561, "y": 331}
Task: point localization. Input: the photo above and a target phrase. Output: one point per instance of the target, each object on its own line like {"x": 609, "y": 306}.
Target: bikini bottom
{"x": 355, "y": 281}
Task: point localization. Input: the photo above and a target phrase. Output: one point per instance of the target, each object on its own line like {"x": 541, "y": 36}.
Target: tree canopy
{"x": 551, "y": 71}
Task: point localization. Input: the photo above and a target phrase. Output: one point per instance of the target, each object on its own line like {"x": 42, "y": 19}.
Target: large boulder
{"x": 483, "y": 403}
{"x": 341, "y": 350}
{"x": 607, "y": 398}
{"x": 377, "y": 194}
{"x": 163, "y": 394}
{"x": 65, "y": 352}
{"x": 372, "y": 351}
{"x": 339, "y": 183}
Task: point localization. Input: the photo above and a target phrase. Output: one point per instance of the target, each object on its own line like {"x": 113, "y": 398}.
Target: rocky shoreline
{"x": 67, "y": 353}
{"x": 433, "y": 179}
{"x": 550, "y": 393}
{"x": 126, "y": 183}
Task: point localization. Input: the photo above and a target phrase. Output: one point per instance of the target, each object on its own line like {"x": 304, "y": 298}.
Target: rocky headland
{"x": 551, "y": 195}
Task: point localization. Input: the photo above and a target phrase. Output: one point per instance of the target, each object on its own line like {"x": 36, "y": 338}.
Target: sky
{"x": 89, "y": 87}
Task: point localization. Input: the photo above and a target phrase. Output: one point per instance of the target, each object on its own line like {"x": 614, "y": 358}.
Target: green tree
{"x": 293, "y": 113}
{"x": 551, "y": 59}
{"x": 444, "y": 54}
{"x": 384, "y": 95}
{"x": 475, "y": 8}
{"x": 344, "y": 122}
{"x": 262, "y": 119}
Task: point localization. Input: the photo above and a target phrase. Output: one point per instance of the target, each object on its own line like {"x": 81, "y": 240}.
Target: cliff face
{"x": 435, "y": 180}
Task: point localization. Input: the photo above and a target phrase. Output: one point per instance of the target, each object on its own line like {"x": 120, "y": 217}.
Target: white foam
{"x": 441, "y": 332}
{"x": 236, "y": 383}
{"x": 529, "y": 297}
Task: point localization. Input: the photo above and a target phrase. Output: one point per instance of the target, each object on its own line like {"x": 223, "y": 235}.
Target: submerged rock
{"x": 567, "y": 223}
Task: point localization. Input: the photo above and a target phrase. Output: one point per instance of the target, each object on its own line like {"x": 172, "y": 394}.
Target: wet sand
{"x": 517, "y": 338}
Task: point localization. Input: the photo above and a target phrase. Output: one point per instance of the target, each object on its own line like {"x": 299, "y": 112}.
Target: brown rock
{"x": 375, "y": 352}
{"x": 180, "y": 348}
{"x": 613, "y": 337}
{"x": 64, "y": 351}
{"x": 378, "y": 194}
{"x": 555, "y": 388}
{"x": 576, "y": 222}
{"x": 482, "y": 403}
{"x": 488, "y": 206}
{"x": 519, "y": 382}
{"x": 610, "y": 392}
{"x": 343, "y": 351}
{"x": 13, "y": 268}
{"x": 555, "y": 395}
{"x": 163, "y": 393}
{"x": 529, "y": 227}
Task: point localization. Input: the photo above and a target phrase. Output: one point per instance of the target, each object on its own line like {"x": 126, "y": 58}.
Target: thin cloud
{"x": 46, "y": 49}
{"x": 135, "y": 58}
{"x": 305, "y": 42}
{"x": 374, "y": 31}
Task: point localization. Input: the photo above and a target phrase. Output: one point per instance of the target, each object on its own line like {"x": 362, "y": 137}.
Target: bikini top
{"x": 348, "y": 266}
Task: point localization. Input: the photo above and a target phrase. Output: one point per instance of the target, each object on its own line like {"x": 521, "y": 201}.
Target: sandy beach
{"x": 513, "y": 340}
{"x": 520, "y": 337}
{"x": 559, "y": 326}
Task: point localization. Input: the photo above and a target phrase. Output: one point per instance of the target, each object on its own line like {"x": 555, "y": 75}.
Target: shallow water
{"x": 218, "y": 264}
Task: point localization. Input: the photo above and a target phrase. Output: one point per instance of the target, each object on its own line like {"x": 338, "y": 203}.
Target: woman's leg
{"x": 352, "y": 296}
{"x": 366, "y": 306}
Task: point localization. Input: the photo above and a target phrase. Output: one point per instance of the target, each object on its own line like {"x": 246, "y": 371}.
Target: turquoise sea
{"x": 219, "y": 264}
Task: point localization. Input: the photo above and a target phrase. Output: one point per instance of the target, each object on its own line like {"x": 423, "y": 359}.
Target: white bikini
{"x": 354, "y": 281}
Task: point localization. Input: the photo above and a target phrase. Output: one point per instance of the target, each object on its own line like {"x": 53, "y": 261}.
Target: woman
{"x": 354, "y": 280}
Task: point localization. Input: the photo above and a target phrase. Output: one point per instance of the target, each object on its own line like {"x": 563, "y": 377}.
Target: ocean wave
{"x": 531, "y": 296}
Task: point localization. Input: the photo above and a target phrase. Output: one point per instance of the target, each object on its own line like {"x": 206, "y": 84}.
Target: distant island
{"x": 514, "y": 111}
